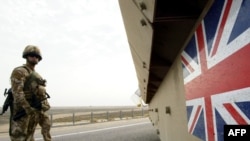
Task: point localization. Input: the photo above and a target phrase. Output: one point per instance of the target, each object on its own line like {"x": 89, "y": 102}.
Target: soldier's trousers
{"x": 24, "y": 128}
{"x": 45, "y": 124}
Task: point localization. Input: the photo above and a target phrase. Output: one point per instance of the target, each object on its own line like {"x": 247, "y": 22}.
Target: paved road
{"x": 124, "y": 130}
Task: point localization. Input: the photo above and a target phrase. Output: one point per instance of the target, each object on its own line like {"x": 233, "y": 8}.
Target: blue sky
{"x": 86, "y": 57}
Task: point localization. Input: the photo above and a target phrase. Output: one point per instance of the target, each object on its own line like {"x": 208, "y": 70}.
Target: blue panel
{"x": 199, "y": 130}
{"x": 191, "y": 49}
{"x": 219, "y": 126}
{"x": 211, "y": 22}
{"x": 243, "y": 20}
{"x": 244, "y": 107}
{"x": 189, "y": 110}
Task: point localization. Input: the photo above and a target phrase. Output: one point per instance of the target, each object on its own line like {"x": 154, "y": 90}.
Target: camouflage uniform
{"x": 38, "y": 87}
{"x": 23, "y": 129}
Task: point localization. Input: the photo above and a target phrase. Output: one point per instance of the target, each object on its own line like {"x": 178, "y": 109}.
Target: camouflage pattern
{"x": 44, "y": 122}
{"x": 31, "y": 49}
{"x": 24, "y": 128}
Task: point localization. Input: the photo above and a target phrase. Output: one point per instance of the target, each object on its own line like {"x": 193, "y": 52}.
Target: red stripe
{"x": 221, "y": 27}
{"x": 195, "y": 119}
{"x": 209, "y": 119}
{"x": 185, "y": 62}
{"x": 222, "y": 77}
{"x": 239, "y": 119}
{"x": 201, "y": 47}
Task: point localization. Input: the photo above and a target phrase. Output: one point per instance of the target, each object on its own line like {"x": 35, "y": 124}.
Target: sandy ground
{"x": 4, "y": 128}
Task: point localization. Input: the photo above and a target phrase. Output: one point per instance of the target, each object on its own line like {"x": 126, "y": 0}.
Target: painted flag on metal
{"x": 216, "y": 69}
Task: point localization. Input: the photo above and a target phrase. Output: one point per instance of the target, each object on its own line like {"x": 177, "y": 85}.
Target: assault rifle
{"x": 37, "y": 104}
{"x": 7, "y": 101}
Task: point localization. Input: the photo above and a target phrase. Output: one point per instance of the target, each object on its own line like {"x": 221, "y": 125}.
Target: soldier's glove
{"x": 45, "y": 105}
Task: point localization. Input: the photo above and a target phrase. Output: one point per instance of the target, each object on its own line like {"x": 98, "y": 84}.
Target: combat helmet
{"x": 32, "y": 50}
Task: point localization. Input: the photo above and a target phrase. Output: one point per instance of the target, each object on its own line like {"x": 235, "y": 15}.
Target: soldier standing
{"x": 27, "y": 86}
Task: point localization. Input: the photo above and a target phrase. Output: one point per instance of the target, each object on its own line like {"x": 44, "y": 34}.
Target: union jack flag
{"x": 216, "y": 70}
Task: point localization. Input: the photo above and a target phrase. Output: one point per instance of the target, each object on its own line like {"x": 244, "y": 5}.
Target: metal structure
{"x": 191, "y": 59}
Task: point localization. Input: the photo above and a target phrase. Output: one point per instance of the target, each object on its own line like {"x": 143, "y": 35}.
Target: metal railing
{"x": 67, "y": 118}
{"x": 78, "y": 118}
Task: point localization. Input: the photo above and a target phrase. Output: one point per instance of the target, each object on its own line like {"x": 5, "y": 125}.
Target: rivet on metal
{"x": 168, "y": 110}
{"x": 143, "y": 22}
{"x": 143, "y": 6}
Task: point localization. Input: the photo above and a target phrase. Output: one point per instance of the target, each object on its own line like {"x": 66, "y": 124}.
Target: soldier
{"x": 28, "y": 86}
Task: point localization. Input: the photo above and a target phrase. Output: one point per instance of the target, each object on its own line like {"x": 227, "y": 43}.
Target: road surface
{"x": 122, "y": 130}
